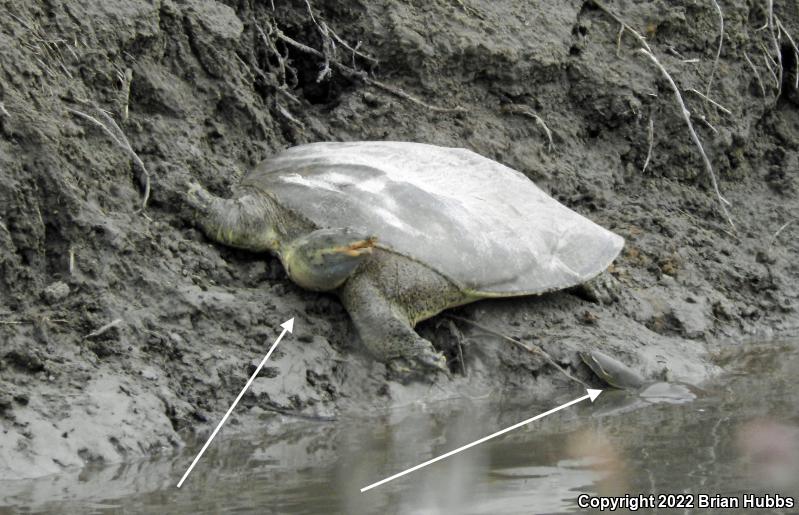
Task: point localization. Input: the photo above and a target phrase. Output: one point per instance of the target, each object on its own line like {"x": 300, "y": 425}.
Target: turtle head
{"x": 323, "y": 259}
{"x": 246, "y": 222}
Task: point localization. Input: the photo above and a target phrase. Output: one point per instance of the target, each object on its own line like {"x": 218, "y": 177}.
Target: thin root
{"x": 651, "y": 139}
{"x": 687, "y": 117}
{"x": 710, "y": 100}
{"x": 103, "y": 329}
{"x": 528, "y": 112}
{"x": 777, "y": 233}
{"x": 647, "y": 51}
{"x": 757, "y": 74}
{"x": 533, "y": 349}
{"x": 358, "y": 74}
{"x": 782, "y": 30}
{"x": 718, "y": 51}
{"x": 112, "y": 129}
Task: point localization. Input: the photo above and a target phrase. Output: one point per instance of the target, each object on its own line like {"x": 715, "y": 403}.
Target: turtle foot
{"x": 418, "y": 367}
{"x": 603, "y": 289}
{"x": 432, "y": 360}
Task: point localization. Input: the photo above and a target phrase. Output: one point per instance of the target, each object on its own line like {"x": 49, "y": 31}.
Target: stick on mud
{"x": 710, "y": 100}
{"x": 651, "y": 139}
{"x": 528, "y": 112}
{"x": 718, "y": 51}
{"x": 103, "y": 329}
{"x": 361, "y": 75}
{"x": 111, "y": 128}
{"x": 757, "y": 74}
{"x": 532, "y": 349}
{"x": 783, "y": 30}
{"x": 687, "y": 117}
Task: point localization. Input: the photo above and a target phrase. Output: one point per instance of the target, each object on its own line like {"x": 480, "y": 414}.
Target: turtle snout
{"x": 197, "y": 197}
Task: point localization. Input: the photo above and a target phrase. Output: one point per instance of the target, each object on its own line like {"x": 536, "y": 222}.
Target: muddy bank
{"x": 124, "y": 332}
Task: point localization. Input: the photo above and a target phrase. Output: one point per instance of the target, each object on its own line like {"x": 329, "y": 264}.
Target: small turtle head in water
{"x": 613, "y": 372}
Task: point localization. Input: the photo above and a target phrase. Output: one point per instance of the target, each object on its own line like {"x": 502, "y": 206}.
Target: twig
{"x": 288, "y": 116}
{"x": 777, "y": 75}
{"x": 407, "y": 96}
{"x": 46, "y": 47}
{"x": 647, "y": 51}
{"x": 112, "y": 129}
{"x": 282, "y": 89}
{"x": 352, "y": 72}
{"x": 25, "y": 322}
{"x": 460, "y": 359}
{"x": 782, "y": 29}
{"x": 757, "y": 74}
{"x": 718, "y": 51}
{"x": 687, "y": 117}
{"x": 71, "y": 260}
{"x": 272, "y": 48}
{"x": 775, "y": 34}
{"x": 329, "y": 40}
{"x": 103, "y": 329}
{"x": 721, "y": 107}
{"x": 534, "y": 349}
{"x": 673, "y": 51}
{"x": 768, "y": 60}
{"x": 770, "y": 15}
{"x": 456, "y": 333}
{"x": 3, "y": 110}
{"x": 528, "y": 112}
{"x": 704, "y": 120}
{"x": 651, "y": 139}
{"x": 354, "y": 49}
{"x": 641, "y": 39}
{"x": 782, "y": 228}
{"x": 328, "y": 32}
{"x": 328, "y": 51}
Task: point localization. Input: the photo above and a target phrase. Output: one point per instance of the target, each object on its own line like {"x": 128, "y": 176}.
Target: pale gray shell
{"x": 483, "y": 225}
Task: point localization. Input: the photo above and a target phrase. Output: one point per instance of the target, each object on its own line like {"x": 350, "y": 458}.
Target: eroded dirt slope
{"x": 200, "y": 92}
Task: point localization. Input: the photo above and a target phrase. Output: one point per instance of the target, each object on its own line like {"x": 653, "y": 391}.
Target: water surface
{"x": 740, "y": 435}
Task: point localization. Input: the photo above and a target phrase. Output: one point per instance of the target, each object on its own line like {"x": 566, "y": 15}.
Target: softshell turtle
{"x": 401, "y": 231}
{"x": 640, "y": 392}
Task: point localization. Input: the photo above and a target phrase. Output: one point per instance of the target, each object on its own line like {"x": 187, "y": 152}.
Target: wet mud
{"x": 126, "y": 333}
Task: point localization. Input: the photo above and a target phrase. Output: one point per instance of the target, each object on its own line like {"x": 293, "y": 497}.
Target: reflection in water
{"x": 770, "y": 453}
{"x": 605, "y": 457}
{"x": 740, "y": 435}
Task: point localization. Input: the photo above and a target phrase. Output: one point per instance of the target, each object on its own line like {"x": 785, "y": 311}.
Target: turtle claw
{"x": 416, "y": 367}
{"x": 400, "y": 367}
{"x": 433, "y": 360}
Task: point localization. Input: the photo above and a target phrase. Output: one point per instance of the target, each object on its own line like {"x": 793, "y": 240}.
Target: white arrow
{"x": 288, "y": 327}
{"x": 592, "y": 394}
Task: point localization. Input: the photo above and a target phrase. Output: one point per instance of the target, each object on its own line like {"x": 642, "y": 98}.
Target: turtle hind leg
{"x": 384, "y": 329}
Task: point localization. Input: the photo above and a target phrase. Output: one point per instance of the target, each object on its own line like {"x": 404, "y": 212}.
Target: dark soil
{"x": 196, "y": 90}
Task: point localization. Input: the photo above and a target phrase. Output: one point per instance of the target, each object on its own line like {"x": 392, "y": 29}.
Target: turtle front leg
{"x": 384, "y": 329}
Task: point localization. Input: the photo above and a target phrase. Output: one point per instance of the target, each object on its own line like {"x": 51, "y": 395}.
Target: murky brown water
{"x": 740, "y": 436}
